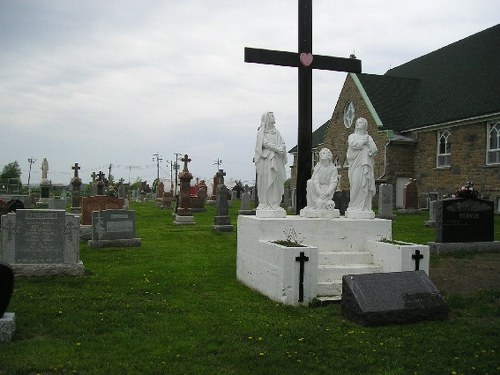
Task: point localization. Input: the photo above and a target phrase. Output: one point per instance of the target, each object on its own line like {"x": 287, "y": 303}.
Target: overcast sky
{"x": 115, "y": 81}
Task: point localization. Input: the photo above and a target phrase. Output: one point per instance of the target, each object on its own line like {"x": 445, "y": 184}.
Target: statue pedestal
{"x": 279, "y": 213}
{"x": 359, "y": 214}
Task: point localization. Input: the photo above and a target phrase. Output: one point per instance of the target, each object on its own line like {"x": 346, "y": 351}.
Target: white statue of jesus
{"x": 270, "y": 161}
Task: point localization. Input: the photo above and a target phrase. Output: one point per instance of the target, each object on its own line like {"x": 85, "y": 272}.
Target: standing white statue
{"x": 45, "y": 169}
{"x": 270, "y": 160}
{"x": 360, "y": 156}
{"x": 321, "y": 187}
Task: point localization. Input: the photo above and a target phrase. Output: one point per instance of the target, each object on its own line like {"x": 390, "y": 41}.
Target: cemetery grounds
{"x": 174, "y": 306}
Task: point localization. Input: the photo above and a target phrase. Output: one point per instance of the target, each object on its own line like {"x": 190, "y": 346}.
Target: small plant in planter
{"x": 291, "y": 239}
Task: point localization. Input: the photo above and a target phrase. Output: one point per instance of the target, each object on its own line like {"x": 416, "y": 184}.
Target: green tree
{"x": 11, "y": 170}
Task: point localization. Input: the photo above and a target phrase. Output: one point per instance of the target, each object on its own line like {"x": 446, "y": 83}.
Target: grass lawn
{"x": 174, "y": 306}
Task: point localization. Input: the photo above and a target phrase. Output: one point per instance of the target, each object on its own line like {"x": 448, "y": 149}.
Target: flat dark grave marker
{"x": 6, "y": 286}
{"x": 391, "y": 298}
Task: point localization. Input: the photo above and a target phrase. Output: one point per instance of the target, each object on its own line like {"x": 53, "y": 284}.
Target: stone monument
{"x": 312, "y": 268}
{"x": 76, "y": 183}
{"x": 222, "y": 220}
{"x": 385, "y": 202}
{"x": 42, "y": 242}
{"x": 321, "y": 188}
{"x": 184, "y": 215}
{"x": 113, "y": 228}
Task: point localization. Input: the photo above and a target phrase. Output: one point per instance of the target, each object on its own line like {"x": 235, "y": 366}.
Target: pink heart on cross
{"x": 306, "y": 59}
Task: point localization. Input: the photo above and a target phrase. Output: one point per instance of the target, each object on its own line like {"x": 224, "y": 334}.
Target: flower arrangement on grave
{"x": 466, "y": 191}
{"x": 291, "y": 239}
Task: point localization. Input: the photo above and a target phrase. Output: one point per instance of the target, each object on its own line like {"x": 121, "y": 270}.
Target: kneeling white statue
{"x": 321, "y": 187}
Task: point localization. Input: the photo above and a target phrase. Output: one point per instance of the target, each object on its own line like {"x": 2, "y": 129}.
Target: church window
{"x": 494, "y": 143}
{"x": 349, "y": 113}
{"x": 444, "y": 149}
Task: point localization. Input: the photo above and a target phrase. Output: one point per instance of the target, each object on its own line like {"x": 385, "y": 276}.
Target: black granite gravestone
{"x": 464, "y": 220}
{"x": 388, "y": 298}
{"x": 341, "y": 199}
{"x": 15, "y": 204}
{"x": 4, "y": 208}
{"x": 6, "y": 286}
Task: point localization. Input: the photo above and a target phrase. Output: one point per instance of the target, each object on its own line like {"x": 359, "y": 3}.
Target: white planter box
{"x": 398, "y": 256}
{"x": 273, "y": 270}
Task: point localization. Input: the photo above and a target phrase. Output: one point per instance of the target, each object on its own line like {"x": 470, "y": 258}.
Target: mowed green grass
{"x": 174, "y": 306}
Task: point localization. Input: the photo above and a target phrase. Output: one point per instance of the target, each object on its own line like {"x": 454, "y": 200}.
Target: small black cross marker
{"x": 417, "y": 256}
{"x": 302, "y": 258}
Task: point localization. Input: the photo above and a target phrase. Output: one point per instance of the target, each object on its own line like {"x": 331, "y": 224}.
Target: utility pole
{"x": 157, "y": 157}
{"x": 31, "y": 161}
{"x": 109, "y": 173}
{"x": 218, "y": 162}
{"x": 176, "y": 167}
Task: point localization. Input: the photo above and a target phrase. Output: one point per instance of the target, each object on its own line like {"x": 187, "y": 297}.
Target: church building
{"x": 435, "y": 119}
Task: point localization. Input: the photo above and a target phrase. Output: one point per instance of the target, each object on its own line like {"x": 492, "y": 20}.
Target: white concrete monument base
{"x": 335, "y": 247}
{"x": 7, "y": 327}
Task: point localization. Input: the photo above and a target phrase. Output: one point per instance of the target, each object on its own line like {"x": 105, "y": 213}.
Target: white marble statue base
{"x": 325, "y": 214}
{"x": 273, "y": 270}
{"x": 279, "y": 213}
{"x": 359, "y": 214}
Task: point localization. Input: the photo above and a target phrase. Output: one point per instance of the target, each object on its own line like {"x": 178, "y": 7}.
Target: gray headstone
{"x": 385, "y": 201}
{"x": 388, "y": 298}
{"x": 114, "y": 228}
{"x": 42, "y": 242}
{"x": 113, "y": 224}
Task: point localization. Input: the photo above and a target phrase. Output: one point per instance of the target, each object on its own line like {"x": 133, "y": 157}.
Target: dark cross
{"x": 305, "y": 61}
{"x": 220, "y": 176}
{"x": 93, "y": 175}
{"x": 186, "y": 160}
{"x": 101, "y": 176}
{"x": 417, "y": 256}
{"x": 302, "y": 258}
{"x": 76, "y": 168}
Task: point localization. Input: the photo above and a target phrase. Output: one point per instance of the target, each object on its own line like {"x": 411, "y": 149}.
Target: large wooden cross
{"x": 306, "y": 62}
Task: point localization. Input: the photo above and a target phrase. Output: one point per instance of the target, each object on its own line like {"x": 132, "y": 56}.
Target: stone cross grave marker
{"x": 76, "y": 183}
{"x": 305, "y": 61}
{"x": 100, "y": 183}
{"x": 222, "y": 220}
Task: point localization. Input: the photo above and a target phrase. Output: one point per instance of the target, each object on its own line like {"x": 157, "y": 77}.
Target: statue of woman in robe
{"x": 360, "y": 156}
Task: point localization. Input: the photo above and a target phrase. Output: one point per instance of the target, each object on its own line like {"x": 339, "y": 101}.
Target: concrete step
{"x": 345, "y": 257}
{"x": 329, "y": 273}
{"x": 331, "y": 289}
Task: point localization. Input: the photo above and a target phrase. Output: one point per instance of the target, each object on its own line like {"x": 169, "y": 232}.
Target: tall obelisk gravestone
{"x": 305, "y": 61}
